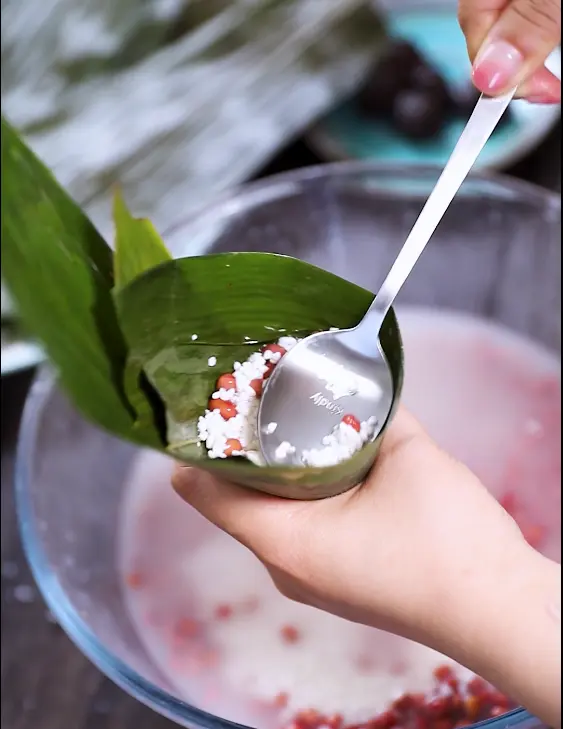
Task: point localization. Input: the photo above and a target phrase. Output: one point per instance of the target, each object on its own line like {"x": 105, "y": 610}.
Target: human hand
{"x": 386, "y": 552}
{"x": 508, "y": 42}
{"x": 419, "y": 549}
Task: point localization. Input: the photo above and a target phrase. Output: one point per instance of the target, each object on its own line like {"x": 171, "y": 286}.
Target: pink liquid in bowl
{"x": 229, "y": 643}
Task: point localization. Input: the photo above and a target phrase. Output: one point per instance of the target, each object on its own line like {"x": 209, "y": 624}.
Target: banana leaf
{"x": 127, "y": 354}
{"x": 60, "y": 272}
{"x": 234, "y": 303}
{"x": 138, "y": 247}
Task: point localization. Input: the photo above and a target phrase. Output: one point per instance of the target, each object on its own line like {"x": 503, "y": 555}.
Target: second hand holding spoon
{"x": 331, "y": 374}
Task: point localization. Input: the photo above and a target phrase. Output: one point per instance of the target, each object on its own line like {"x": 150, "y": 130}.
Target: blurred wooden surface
{"x": 46, "y": 682}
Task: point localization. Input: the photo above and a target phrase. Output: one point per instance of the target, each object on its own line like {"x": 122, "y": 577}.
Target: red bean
{"x": 186, "y": 628}
{"x": 227, "y": 382}
{"x": 508, "y": 502}
{"x": 352, "y": 421}
{"x": 418, "y": 711}
{"x": 223, "y": 611}
{"x": 477, "y": 686}
{"x": 443, "y": 674}
{"x": 232, "y": 445}
{"x": 280, "y": 701}
{"x": 534, "y": 534}
{"x": 439, "y": 706}
{"x": 386, "y": 720}
{"x": 290, "y": 634}
{"x": 226, "y": 409}
{"x": 257, "y": 385}
{"x": 135, "y": 580}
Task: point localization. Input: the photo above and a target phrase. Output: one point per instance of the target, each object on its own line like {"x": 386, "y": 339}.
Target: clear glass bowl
{"x": 497, "y": 254}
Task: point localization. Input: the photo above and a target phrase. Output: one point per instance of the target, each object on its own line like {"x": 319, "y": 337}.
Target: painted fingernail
{"x": 497, "y": 66}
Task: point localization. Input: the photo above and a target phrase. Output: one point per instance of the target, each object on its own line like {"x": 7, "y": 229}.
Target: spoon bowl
{"x": 330, "y": 381}
{"x": 351, "y": 363}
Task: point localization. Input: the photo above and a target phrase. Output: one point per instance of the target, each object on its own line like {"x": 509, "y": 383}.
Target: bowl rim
{"x": 44, "y": 384}
{"x": 237, "y": 198}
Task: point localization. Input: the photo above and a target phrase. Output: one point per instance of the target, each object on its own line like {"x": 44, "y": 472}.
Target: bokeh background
{"x": 175, "y": 100}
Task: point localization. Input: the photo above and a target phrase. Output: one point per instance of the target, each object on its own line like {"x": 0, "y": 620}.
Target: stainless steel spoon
{"x": 335, "y": 373}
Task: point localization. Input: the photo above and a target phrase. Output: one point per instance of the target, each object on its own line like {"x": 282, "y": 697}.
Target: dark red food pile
{"x": 404, "y": 89}
{"x": 451, "y": 705}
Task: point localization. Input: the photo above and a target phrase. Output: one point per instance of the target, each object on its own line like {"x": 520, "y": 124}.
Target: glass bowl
{"x": 496, "y": 254}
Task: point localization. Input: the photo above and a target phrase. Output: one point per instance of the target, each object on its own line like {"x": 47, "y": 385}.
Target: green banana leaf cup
{"x": 131, "y": 332}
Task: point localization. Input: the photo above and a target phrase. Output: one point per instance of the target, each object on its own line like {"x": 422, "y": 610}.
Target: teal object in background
{"x": 346, "y": 134}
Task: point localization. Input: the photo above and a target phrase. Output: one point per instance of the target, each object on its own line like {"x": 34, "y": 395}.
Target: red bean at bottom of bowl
{"x": 451, "y": 704}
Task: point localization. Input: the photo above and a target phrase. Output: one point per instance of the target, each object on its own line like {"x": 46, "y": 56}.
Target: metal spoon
{"x": 331, "y": 374}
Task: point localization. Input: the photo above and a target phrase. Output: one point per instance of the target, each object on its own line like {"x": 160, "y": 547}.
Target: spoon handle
{"x": 485, "y": 117}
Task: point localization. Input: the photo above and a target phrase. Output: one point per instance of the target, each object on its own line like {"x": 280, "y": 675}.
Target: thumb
{"x": 516, "y": 48}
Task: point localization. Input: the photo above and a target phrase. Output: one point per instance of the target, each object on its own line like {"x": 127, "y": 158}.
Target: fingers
{"x": 476, "y": 18}
{"x": 517, "y": 46}
{"x": 542, "y": 87}
{"x": 263, "y": 522}
{"x": 256, "y": 520}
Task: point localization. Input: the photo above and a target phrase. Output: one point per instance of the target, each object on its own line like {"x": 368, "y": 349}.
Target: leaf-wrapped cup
{"x": 140, "y": 339}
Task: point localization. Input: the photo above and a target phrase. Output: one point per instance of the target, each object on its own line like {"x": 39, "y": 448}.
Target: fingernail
{"x": 497, "y": 66}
